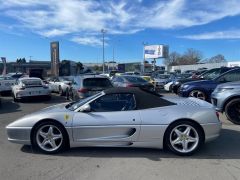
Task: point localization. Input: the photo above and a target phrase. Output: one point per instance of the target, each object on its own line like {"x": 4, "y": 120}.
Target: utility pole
{"x": 103, "y": 31}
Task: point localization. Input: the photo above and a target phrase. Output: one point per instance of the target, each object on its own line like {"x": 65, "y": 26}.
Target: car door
{"x": 108, "y": 123}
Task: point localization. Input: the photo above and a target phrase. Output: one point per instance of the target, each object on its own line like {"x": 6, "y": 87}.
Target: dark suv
{"x": 202, "y": 89}
{"x": 207, "y": 75}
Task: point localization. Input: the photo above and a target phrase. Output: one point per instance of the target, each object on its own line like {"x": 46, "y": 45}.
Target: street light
{"x": 103, "y": 31}
{"x": 144, "y": 44}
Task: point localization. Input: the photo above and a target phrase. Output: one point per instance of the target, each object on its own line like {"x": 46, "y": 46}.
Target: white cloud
{"x": 232, "y": 34}
{"x": 90, "y": 40}
{"x": 54, "y": 17}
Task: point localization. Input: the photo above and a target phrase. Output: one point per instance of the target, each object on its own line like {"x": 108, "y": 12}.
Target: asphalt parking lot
{"x": 216, "y": 160}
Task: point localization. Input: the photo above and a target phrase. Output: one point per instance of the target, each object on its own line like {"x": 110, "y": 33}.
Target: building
{"x": 183, "y": 68}
{"x": 28, "y": 66}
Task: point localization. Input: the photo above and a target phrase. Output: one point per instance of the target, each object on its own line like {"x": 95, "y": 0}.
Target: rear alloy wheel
{"x": 183, "y": 138}
{"x": 232, "y": 111}
{"x": 49, "y": 137}
{"x": 198, "y": 94}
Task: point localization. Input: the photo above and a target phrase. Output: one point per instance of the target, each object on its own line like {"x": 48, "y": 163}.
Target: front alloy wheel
{"x": 49, "y": 137}
{"x": 183, "y": 138}
{"x": 198, "y": 94}
{"x": 232, "y": 111}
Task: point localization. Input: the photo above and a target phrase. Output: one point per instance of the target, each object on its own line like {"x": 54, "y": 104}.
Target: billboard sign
{"x": 155, "y": 51}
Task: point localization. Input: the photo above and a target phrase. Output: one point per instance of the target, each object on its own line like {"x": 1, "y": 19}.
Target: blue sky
{"x": 28, "y": 26}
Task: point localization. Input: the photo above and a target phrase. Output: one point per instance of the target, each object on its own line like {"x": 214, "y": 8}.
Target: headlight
{"x": 219, "y": 90}
{"x": 177, "y": 83}
{"x": 185, "y": 86}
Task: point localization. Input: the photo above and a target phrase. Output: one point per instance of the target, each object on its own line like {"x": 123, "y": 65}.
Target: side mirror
{"x": 85, "y": 108}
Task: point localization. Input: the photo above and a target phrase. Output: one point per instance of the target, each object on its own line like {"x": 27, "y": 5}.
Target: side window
{"x": 120, "y": 79}
{"x": 114, "y": 102}
{"x": 230, "y": 77}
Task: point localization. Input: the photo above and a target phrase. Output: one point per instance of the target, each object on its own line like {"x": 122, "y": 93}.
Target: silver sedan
{"x": 120, "y": 117}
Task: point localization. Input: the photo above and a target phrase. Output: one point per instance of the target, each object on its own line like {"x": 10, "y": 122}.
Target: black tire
{"x": 61, "y": 93}
{"x": 48, "y": 98}
{"x": 15, "y": 99}
{"x": 71, "y": 95}
{"x": 67, "y": 94}
{"x": 232, "y": 111}
{"x": 169, "y": 134}
{"x": 56, "y": 128}
{"x": 170, "y": 88}
{"x": 198, "y": 94}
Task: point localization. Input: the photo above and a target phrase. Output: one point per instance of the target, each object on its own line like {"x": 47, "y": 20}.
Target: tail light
{"x": 83, "y": 90}
{"x": 130, "y": 85}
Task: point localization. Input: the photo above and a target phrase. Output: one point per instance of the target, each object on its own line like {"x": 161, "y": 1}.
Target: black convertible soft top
{"x": 144, "y": 99}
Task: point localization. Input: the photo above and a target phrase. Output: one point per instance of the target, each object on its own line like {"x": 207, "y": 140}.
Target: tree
{"x": 217, "y": 59}
{"x": 172, "y": 59}
{"x": 191, "y": 56}
{"x": 79, "y": 67}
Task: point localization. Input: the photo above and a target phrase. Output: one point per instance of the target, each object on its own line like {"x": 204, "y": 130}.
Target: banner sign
{"x": 155, "y": 51}
{"x": 4, "y": 65}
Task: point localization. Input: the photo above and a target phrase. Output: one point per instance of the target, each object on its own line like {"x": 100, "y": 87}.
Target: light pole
{"x": 103, "y": 31}
{"x": 143, "y": 69}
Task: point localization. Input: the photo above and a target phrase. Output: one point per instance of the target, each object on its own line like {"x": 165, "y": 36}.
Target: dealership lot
{"x": 217, "y": 160}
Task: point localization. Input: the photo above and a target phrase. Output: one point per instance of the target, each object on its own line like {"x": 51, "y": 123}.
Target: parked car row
{"x": 220, "y": 86}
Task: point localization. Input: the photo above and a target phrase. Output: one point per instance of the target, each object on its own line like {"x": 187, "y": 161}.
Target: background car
{"x": 226, "y": 98}
{"x": 60, "y": 84}
{"x": 160, "y": 80}
{"x": 120, "y": 117}
{"x": 87, "y": 85}
{"x": 132, "y": 81}
{"x": 173, "y": 79}
{"x": 6, "y": 83}
{"x": 203, "y": 89}
{"x": 207, "y": 75}
{"x": 28, "y": 88}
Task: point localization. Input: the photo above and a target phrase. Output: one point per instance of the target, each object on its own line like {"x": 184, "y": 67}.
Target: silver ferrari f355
{"x": 120, "y": 117}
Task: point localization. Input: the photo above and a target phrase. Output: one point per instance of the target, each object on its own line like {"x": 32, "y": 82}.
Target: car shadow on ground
{"x": 227, "y": 146}
{"x": 8, "y": 106}
{"x": 55, "y": 99}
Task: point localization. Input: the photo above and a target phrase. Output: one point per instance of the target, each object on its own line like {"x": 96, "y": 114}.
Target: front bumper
{"x": 19, "y": 135}
{"x": 218, "y": 100}
{"x": 211, "y": 130}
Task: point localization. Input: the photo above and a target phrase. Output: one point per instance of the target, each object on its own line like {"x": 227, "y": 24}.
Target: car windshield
{"x": 97, "y": 82}
{"x": 182, "y": 76}
{"x": 211, "y": 74}
{"x": 134, "y": 79}
{"x": 75, "y": 105}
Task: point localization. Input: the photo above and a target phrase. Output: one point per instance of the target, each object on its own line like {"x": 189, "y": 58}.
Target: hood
{"x": 185, "y": 80}
{"x": 201, "y": 82}
{"x": 191, "y": 101}
{"x": 54, "y": 108}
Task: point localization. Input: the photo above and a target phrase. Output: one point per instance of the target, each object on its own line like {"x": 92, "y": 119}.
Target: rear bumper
{"x": 19, "y": 135}
{"x": 211, "y": 130}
